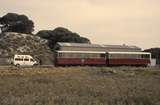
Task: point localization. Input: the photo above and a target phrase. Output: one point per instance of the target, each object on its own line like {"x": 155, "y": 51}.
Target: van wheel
{"x": 35, "y": 65}
{"x": 17, "y": 65}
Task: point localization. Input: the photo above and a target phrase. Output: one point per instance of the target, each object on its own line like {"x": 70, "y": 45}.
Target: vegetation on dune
{"x": 61, "y": 34}
{"x": 16, "y": 43}
{"x": 17, "y": 23}
{"x": 80, "y": 86}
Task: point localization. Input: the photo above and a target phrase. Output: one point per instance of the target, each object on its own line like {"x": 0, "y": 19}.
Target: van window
{"x": 18, "y": 59}
{"x": 26, "y": 59}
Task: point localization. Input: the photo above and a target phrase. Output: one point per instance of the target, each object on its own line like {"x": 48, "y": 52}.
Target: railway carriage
{"x": 128, "y": 58}
{"x": 95, "y": 54}
{"x": 65, "y": 58}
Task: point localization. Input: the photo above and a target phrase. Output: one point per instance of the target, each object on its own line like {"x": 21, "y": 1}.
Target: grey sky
{"x": 133, "y": 22}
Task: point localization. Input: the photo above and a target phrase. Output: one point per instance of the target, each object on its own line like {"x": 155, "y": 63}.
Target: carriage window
{"x": 90, "y": 55}
{"x": 59, "y": 54}
{"x": 74, "y": 55}
{"x": 102, "y": 55}
{"x": 132, "y": 56}
{"x": 96, "y": 56}
{"x": 84, "y": 55}
{"x": 138, "y": 56}
{"x": 64, "y": 55}
{"x": 93, "y": 55}
{"x": 145, "y": 56}
{"x": 79, "y": 55}
{"x": 110, "y": 55}
{"x": 69, "y": 55}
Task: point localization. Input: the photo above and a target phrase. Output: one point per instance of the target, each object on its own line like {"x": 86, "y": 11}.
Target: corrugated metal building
{"x": 5, "y": 61}
{"x": 95, "y": 47}
{"x": 123, "y": 48}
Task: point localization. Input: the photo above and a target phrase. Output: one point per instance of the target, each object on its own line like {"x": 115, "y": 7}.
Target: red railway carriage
{"x": 128, "y": 58}
{"x": 65, "y": 58}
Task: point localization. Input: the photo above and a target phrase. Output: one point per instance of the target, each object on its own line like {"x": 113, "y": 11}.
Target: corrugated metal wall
{"x": 5, "y": 61}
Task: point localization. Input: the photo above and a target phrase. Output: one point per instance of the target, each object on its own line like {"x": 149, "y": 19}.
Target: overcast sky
{"x": 131, "y": 22}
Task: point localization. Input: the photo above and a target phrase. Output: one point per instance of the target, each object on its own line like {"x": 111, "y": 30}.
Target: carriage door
{"x": 82, "y": 58}
{"x": 107, "y": 58}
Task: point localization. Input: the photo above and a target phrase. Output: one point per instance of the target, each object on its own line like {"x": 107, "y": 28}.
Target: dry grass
{"x": 80, "y": 86}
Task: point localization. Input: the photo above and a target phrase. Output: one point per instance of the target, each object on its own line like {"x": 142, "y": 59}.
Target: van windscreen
{"x": 32, "y": 60}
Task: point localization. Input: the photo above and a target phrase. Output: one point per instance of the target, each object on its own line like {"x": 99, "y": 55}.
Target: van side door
{"x": 26, "y": 61}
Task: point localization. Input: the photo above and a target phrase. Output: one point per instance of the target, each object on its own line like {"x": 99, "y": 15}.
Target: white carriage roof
{"x": 81, "y": 52}
{"x": 129, "y": 53}
{"x": 96, "y": 45}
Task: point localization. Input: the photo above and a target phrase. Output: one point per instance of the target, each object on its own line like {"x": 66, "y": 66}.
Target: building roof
{"x": 78, "y": 44}
{"x": 97, "y": 45}
{"x": 122, "y": 46}
{"x": 94, "y": 52}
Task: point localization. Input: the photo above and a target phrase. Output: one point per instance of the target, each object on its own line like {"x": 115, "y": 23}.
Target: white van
{"x": 24, "y": 60}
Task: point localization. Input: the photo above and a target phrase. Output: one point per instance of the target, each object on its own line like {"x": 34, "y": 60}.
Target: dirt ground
{"x": 79, "y": 86}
